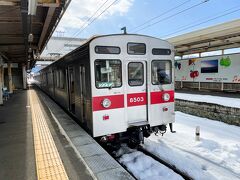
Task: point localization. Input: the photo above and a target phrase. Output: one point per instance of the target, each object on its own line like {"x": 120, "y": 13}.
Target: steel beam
{"x": 7, "y": 3}
{"x": 24, "y": 12}
{"x": 50, "y": 13}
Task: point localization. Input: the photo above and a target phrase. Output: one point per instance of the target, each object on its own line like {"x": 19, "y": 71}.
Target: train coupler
{"x": 160, "y": 130}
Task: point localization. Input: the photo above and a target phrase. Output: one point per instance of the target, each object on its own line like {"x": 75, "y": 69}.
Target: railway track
{"x": 170, "y": 166}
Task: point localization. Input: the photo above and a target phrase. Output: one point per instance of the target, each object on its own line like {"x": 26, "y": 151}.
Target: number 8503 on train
{"x": 120, "y": 87}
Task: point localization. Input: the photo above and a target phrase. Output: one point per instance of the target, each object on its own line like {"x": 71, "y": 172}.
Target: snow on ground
{"x": 215, "y": 156}
{"x": 144, "y": 167}
{"x": 224, "y": 101}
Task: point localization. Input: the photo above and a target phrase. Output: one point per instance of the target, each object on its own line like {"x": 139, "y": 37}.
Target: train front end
{"x": 132, "y": 87}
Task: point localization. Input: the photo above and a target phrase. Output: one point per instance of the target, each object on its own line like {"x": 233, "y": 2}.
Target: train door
{"x": 137, "y": 92}
{"x": 71, "y": 89}
{"x": 82, "y": 93}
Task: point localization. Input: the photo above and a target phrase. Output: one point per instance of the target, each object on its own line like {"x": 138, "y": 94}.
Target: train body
{"x": 119, "y": 87}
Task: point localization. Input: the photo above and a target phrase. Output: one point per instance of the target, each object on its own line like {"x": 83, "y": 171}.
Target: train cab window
{"x": 108, "y": 73}
{"x": 136, "y": 48}
{"x": 135, "y": 74}
{"x": 107, "y": 50}
{"x": 159, "y": 51}
{"x": 161, "y": 72}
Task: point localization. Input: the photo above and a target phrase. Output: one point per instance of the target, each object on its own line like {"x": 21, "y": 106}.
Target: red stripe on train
{"x": 157, "y": 97}
{"x": 117, "y": 101}
{"x": 136, "y": 99}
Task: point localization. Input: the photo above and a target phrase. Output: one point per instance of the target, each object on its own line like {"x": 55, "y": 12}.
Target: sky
{"x": 172, "y": 17}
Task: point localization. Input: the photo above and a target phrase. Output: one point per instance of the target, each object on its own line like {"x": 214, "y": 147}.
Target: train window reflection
{"x": 158, "y": 51}
{"x": 108, "y": 73}
{"x": 135, "y": 74}
{"x": 107, "y": 50}
{"x": 136, "y": 48}
{"x": 161, "y": 72}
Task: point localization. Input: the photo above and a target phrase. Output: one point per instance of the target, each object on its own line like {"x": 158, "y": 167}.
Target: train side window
{"x": 61, "y": 79}
{"x": 107, "y": 50}
{"x": 108, "y": 73}
{"x": 46, "y": 78}
{"x": 57, "y": 77}
{"x": 135, "y": 74}
{"x": 161, "y": 72}
{"x": 136, "y": 48}
{"x": 161, "y": 51}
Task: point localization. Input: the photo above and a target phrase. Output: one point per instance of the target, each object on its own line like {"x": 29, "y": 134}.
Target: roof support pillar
{"x": 1, "y": 83}
{"x": 1, "y": 80}
{"x": 24, "y": 73}
{"x": 10, "y": 85}
{"x": 2, "y": 75}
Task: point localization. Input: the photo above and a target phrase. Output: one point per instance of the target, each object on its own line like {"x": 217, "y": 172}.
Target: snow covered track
{"x": 141, "y": 165}
{"x": 165, "y": 163}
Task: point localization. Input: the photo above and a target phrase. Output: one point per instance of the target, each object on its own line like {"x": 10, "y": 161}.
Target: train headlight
{"x": 106, "y": 103}
{"x": 166, "y": 97}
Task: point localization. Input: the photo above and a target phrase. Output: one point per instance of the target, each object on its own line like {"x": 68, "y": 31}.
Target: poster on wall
{"x": 222, "y": 68}
{"x": 209, "y": 66}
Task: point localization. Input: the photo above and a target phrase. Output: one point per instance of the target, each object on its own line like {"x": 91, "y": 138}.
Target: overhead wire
{"x": 165, "y": 12}
{"x": 95, "y": 18}
{"x": 67, "y": 42}
{"x": 208, "y": 20}
{"x": 168, "y": 17}
{"x": 91, "y": 16}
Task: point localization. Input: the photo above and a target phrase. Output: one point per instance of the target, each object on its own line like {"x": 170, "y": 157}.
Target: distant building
{"x": 55, "y": 49}
{"x": 59, "y": 46}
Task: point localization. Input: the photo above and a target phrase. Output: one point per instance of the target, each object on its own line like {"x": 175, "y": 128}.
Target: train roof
{"x": 62, "y": 59}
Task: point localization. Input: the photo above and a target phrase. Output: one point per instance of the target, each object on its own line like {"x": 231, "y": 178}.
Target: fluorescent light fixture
{"x": 30, "y": 37}
{"x": 32, "y": 7}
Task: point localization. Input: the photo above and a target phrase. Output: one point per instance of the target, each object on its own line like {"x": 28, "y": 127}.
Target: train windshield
{"x": 161, "y": 72}
{"x": 135, "y": 74}
{"x": 108, "y": 73}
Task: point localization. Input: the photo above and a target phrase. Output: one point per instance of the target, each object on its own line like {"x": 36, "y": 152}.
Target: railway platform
{"x": 38, "y": 140}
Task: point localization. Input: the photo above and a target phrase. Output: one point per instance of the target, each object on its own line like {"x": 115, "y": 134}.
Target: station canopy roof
{"x": 218, "y": 37}
{"x": 15, "y": 26}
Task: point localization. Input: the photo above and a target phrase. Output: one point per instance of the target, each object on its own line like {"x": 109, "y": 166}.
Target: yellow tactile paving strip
{"x": 48, "y": 162}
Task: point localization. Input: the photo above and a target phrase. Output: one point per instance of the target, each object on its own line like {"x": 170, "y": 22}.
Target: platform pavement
{"x": 98, "y": 161}
{"x": 17, "y": 159}
{"x": 17, "y": 156}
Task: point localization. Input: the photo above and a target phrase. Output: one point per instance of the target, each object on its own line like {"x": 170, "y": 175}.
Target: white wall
{"x": 61, "y": 45}
{"x": 228, "y": 70}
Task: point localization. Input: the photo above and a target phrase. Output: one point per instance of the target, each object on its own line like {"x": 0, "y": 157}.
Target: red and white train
{"x": 120, "y": 87}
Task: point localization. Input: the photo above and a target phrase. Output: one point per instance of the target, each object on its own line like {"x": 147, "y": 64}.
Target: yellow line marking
{"x": 48, "y": 162}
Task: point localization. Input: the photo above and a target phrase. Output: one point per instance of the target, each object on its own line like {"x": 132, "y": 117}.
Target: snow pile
{"x": 215, "y": 156}
{"x": 224, "y": 101}
{"x": 144, "y": 167}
